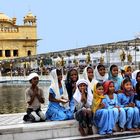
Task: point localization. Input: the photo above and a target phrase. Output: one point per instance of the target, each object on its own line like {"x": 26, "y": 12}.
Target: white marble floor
{"x": 11, "y": 119}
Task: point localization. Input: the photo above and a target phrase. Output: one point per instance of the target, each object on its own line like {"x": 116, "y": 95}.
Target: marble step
{"x": 13, "y": 128}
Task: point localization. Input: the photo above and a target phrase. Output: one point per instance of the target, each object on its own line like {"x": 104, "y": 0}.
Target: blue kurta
{"x": 115, "y": 114}
{"x": 56, "y": 111}
{"x": 137, "y": 102}
{"x": 101, "y": 121}
{"x": 132, "y": 113}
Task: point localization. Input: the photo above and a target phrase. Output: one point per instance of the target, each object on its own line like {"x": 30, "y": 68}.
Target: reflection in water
{"x": 12, "y": 97}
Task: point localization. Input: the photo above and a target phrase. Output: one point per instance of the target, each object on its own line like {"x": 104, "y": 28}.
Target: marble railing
{"x": 22, "y": 78}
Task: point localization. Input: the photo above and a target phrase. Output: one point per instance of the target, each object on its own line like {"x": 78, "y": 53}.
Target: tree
{"x": 129, "y": 58}
{"x": 101, "y": 60}
{"x": 75, "y": 62}
{"x": 62, "y": 61}
{"x": 88, "y": 60}
{"x": 122, "y": 56}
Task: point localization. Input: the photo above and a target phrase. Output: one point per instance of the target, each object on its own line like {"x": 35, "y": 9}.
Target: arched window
{"x": 7, "y": 53}
{"x": 29, "y": 53}
{"x": 15, "y": 53}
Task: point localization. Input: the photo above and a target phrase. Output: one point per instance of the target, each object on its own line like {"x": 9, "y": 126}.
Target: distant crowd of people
{"x": 98, "y": 98}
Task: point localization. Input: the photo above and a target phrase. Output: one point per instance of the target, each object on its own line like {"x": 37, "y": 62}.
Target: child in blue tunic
{"x": 101, "y": 115}
{"x": 113, "y": 75}
{"x": 70, "y": 82}
{"x": 58, "y": 108}
{"x": 126, "y": 100}
{"x": 116, "y": 113}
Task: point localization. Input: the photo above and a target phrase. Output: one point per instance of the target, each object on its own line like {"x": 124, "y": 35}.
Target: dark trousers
{"x": 84, "y": 117}
{"x": 29, "y": 116}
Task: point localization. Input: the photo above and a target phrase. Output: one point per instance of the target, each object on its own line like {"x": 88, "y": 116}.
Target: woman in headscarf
{"x": 88, "y": 74}
{"x": 100, "y": 73}
{"x": 70, "y": 82}
{"x": 113, "y": 75}
{"x": 101, "y": 117}
{"x": 83, "y": 101}
{"x": 58, "y": 108}
{"x": 116, "y": 113}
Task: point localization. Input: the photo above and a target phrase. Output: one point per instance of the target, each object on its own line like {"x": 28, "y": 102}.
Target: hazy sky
{"x": 67, "y": 24}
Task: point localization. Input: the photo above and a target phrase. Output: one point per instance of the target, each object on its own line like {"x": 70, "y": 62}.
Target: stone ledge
{"x": 49, "y": 130}
{"x": 42, "y": 130}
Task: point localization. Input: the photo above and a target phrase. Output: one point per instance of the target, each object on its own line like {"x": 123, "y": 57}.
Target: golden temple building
{"x": 17, "y": 40}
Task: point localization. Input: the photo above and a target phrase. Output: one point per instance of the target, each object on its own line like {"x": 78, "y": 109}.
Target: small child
{"x": 83, "y": 101}
{"x": 126, "y": 101}
{"x": 34, "y": 97}
{"x": 101, "y": 114}
{"x": 113, "y": 75}
{"x": 100, "y": 73}
{"x": 58, "y": 108}
{"x": 88, "y": 74}
{"x": 116, "y": 113}
{"x": 70, "y": 82}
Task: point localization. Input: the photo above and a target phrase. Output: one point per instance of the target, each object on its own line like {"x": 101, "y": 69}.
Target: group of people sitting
{"x": 98, "y": 98}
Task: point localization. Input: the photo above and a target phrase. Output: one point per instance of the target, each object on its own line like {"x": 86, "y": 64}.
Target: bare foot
{"x": 90, "y": 131}
{"x": 121, "y": 129}
{"x": 131, "y": 129}
{"x": 82, "y": 131}
{"x": 137, "y": 129}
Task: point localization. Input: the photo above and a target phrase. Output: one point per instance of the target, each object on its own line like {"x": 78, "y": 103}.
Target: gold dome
{"x": 29, "y": 15}
{"x": 4, "y": 17}
{"x": 30, "y": 19}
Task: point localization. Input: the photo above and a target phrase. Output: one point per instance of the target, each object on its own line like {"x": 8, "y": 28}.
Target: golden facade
{"x": 17, "y": 40}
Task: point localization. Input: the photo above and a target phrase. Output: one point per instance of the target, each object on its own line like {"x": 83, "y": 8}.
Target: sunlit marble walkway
{"x": 12, "y": 127}
{"x": 11, "y": 119}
